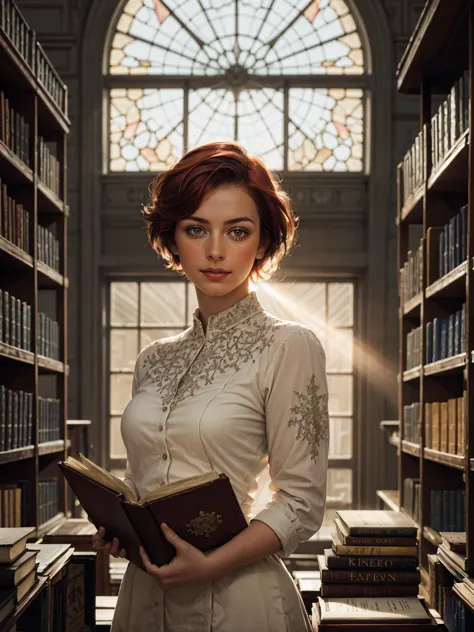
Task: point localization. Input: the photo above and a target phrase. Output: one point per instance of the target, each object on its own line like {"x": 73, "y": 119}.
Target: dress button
{"x": 164, "y": 409}
{"x": 160, "y": 428}
{"x": 165, "y": 456}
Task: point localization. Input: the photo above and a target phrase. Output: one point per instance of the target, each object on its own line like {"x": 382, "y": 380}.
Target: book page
{"x": 179, "y": 486}
{"x": 372, "y": 609}
{"x": 98, "y": 474}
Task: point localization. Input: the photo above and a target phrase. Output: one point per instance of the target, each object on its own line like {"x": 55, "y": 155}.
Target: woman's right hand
{"x": 113, "y": 548}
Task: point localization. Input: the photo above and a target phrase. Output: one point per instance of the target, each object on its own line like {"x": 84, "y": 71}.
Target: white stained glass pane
{"x": 260, "y": 125}
{"x": 123, "y": 304}
{"x": 340, "y": 394}
{"x": 146, "y": 129}
{"x": 120, "y": 392}
{"x": 303, "y": 303}
{"x": 341, "y": 304}
{"x": 211, "y": 116}
{"x": 117, "y": 448}
{"x": 325, "y": 129}
{"x": 123, "y": 349}
{"x": 339, "y": 350}
{"x": 206, "y": 38}
{"x": 340, "y": 441}
{"x": 148, "y": 336}
{"x": 339, "y": 486}
{"x": 162, "y": 304}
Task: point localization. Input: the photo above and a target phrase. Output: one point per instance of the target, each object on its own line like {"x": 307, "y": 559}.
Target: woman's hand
{"x": 113, "y": 547}
{"x": 189, "y": 565}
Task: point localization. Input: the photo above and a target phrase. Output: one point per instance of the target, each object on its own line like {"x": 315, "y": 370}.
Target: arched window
{"x": 283, "y": 77}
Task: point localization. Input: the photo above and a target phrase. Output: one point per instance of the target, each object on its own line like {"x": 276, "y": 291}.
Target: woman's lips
{"x": 215, "y": 276}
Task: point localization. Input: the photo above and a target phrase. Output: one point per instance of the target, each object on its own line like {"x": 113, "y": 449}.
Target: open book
{"x": 202, "y": 509}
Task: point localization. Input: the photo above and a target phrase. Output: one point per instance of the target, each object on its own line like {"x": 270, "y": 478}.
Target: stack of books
{"x": 17, "y": 569}
{"x": 374, "y": 554}
{"x": 452, "y": 553}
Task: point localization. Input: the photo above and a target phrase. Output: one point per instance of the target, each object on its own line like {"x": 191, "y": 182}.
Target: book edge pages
{"x": 183, "y": 485}
{"x": 117, "y": 483}
{"x": 405, "y": 521}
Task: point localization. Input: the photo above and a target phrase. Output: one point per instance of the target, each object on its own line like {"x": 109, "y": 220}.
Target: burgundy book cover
{"x": 206, "y": 516}
{"x": 105, "y": 508}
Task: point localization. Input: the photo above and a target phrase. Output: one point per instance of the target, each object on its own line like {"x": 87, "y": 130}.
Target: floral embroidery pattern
{"x": 181, "y": 367}
{"x": 311, "y": 417}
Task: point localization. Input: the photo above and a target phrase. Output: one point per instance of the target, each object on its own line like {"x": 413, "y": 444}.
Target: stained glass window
{"x": 237, "y": 70}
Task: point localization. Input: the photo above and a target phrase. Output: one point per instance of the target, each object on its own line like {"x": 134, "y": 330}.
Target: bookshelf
{"x": 435, "y": 244}
{"x": 34, "y": 127}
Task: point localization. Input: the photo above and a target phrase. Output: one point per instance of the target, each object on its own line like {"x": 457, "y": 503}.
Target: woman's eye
{"x": 239, "y": 233}
{"x": 194, "y": 231}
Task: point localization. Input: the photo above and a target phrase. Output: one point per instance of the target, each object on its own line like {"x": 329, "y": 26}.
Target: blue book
{"x": 457, "y": 333}
{"x": 444, "y": 338}
{"x": 463, "y": 328}
{"x": 441, "y": 254}
{"x": 452, "y": 243}
{"x": 436, "y": 339}
{"x": 457, "y": 240}
{"x": 450, "y": 336}
{"x": 429, "y": 343}
{"x": 446, "y": 248}
{"x": 463, "y": 229}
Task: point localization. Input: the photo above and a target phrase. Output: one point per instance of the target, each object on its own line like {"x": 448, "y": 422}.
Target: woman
{"x": 236, "y": 390}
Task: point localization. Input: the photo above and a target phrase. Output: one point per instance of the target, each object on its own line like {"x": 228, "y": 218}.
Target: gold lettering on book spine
{"x": 204, "y": 524}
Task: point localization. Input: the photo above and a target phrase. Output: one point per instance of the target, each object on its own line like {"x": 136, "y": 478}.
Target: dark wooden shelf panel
{"x": 49, "y": 112}
{"x": 13, "y": 256}
{"x": 47, "y": 200}
{"x": 13, "y": 170}
{"x": 471, "y": 464}
{"x": 49, "y": 278}
{"x": 452, "y": 173}
{"x": 412, "y": 374}
{"x": 426, "y": 50}
{"x": 444, "y": 458}
{"x": 48, "y": 365}
{"x": 51, "y": 447}
{"x": 412, "y": 307}
{"x": 455, "y": 364}
{"x": 451, "y": 285}
{"x": 431, "y": 535}
{"x": 412, "y": 210}
{"x": 15, "y": 70}
{"x": 411, "y": 448}
{"x": 13, "y": 353}
{"x": 18, "y": 454}
{"x": 389, "y": 497}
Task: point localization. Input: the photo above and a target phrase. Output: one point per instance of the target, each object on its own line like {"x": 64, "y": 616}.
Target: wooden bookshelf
{"x": 440, "y": 55}
{"x": 33, "y": 255}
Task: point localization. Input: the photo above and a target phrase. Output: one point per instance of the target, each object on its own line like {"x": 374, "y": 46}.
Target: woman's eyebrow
{"x": 235, "y": 220}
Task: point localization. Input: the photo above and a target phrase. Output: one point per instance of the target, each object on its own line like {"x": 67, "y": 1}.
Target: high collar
{"x": 228, "y": 318}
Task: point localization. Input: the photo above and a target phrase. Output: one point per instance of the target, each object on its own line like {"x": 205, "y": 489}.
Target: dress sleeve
{"x": 297, "y": 426}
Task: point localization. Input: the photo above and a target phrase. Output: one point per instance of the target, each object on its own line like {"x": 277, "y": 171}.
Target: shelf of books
{"x": 36, "y": 579}
{"x": 435, "y": 211}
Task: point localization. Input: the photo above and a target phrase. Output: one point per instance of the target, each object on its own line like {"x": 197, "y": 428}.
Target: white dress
{"x": 250, "y": 391}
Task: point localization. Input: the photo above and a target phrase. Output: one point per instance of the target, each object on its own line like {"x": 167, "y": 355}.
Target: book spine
{"x": 381, "y": 563}
{"x": 379, "y": 551}
{"x": 392, "y": 532}
{"x": 368, "y": 590}
{"x": 370, "y": 577}
{"x": 159, "y": 550}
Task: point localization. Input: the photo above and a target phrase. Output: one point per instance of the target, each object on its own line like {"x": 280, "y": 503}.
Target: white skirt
{"x": 261, "y": 597}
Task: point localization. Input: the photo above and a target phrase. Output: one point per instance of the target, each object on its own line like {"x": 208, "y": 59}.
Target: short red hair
{"x": 178, "y": 192}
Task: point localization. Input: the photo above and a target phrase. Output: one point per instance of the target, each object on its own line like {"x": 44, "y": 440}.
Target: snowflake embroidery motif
{"x": 311, "y": 417}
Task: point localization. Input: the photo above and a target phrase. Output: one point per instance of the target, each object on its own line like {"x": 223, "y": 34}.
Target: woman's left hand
{"x": 189, "y": 565}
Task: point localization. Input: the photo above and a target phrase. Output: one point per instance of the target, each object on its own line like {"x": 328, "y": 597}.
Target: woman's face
{"x": 218, "y": 244}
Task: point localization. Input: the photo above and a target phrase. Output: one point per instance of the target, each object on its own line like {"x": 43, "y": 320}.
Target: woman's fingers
{"x": 112, "y": 548}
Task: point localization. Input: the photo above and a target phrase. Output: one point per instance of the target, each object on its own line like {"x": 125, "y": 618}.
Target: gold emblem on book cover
{"x": 205, "y": 523}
